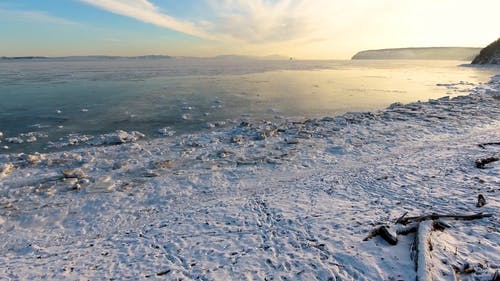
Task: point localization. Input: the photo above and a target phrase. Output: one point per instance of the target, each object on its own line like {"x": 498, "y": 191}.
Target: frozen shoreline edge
{"x": 119, "y": 137}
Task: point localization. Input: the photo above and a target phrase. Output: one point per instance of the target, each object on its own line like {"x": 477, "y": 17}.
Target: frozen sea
{"x": 50, "y": 103}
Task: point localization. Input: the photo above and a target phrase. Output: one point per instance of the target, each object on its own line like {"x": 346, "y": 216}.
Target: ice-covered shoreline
{"x": 54, "y": 107}
{"x": 290, "y": 200}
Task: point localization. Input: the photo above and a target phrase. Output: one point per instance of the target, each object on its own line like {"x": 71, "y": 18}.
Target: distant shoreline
{"x": 424, "y": 53}
{"x": 152, "y": 57}
{"x": 86, "y": 57}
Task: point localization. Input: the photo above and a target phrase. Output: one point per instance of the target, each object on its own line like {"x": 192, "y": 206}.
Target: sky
{"x": 308, "y": 29}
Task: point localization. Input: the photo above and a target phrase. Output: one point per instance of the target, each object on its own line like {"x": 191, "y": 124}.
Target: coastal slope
{"x": 431, "y": 53}
{"x": 489, "y": 55}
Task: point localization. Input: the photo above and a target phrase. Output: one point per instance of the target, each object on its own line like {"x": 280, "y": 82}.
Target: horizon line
{"x": 285, "y": 57}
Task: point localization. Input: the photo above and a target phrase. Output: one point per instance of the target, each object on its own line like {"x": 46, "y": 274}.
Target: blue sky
{"x": 299, "y": 28}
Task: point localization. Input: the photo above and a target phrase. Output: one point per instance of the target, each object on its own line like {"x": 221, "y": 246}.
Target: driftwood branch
{"x": 401, "y": 218}
{"x": 405, "y": 230}
{"x": 423, "y": 247}
{"x": 481, "y": 163}
{"x": 423, "y": 226}
{"x": 391, "y": 238}
{"x": 384, "y": 232}
{"x": 483, "y": 145}
{"x": 406, "y": 220}
{"x": 496, "y": 276}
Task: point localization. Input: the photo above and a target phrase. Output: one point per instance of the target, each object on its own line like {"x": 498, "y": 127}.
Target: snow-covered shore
{"x": 287, "y": 201}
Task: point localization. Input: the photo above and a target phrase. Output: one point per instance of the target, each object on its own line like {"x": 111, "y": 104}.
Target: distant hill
{"x": 99, "y": 57}
{"x": 240, "y": 57}
{"x": 431, "y": 53}
{"x": 147, "y": 57}
{"x": 489, "y": 55}
{"x": 23, "y": 58}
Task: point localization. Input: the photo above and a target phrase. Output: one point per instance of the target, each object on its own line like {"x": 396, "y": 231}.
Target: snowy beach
{"x": 281, "y": 200}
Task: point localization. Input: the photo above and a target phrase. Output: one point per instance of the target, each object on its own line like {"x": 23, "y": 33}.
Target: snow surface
{"x": 261, "y": 201}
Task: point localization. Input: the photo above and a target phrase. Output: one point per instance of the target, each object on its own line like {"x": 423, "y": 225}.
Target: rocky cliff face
{"x": 489, "y": 55}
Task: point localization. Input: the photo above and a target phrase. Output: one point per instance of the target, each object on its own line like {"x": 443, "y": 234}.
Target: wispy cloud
{"x": 260, "y": 21}
{"x": 254, "y": 22}
{"x": 34, "y": 16}
{"x": 312, "y": 27}
{"x": 146, "y": 11}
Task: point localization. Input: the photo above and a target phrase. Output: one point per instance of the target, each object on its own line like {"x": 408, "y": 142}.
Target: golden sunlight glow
{"x": 338, "y": 29}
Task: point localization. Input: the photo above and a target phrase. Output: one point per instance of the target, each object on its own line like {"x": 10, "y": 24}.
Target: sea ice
{"x": 166, "y": 131}
{"x": 118, "y": 137}
{"x": 31, "y": 139}
{"x": 15, "y": 140}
